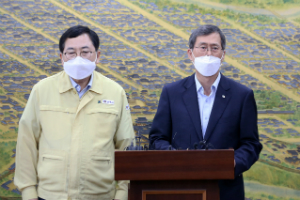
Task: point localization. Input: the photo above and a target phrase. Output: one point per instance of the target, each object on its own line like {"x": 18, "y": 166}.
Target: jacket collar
{"x": 97, "y": 85}
{"x": 66, "y": 85}
{"x": 223, "y": 82}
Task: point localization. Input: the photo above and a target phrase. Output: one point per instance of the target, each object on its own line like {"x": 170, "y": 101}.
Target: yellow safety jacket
{"x": 65, "y": 147}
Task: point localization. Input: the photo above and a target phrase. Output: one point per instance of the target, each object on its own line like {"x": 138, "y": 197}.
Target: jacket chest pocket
{"x": 56, "y": 121}
{"x": 103, "y": 121}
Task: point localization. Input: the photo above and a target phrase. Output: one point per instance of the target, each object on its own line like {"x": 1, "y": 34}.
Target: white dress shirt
{"x": 206, "y": 102}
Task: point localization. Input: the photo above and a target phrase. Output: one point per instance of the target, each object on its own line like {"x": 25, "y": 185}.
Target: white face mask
{"x": 79, "y": 68}
{"x": 207, "y": 65}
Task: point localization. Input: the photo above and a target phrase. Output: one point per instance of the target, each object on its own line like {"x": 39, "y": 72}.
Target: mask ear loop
{"x": 222, "y": 56}
{"x": 221, "y": 59}
{"x": 193, "y": 56}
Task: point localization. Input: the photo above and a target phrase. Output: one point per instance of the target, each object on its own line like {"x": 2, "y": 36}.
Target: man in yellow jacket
{"x": 70, "y": 128}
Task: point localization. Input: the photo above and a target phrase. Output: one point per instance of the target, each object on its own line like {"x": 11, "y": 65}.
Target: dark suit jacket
{"x": 232, "y": 124}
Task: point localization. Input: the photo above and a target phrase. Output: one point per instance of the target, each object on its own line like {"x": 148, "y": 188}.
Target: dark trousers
{"x": 41, "y": 198}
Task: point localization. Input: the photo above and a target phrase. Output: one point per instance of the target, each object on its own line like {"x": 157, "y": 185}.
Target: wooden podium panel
{"x": 174, "y": 175}
{"x": 174, "y": 194}
{"x": 173, "y": 190}
{"x": 173, "y": 197}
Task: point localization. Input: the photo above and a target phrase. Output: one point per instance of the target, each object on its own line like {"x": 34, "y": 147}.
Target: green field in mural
{"x": 143, "y": 47}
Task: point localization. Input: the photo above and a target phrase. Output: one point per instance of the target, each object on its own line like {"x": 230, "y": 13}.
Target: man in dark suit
{"x": 209, "y": 108}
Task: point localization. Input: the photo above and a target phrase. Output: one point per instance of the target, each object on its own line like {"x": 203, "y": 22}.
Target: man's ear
{"x": 61, "y": 58}
{"x": 98, "y": 56}
{"x": 190, "y": 55}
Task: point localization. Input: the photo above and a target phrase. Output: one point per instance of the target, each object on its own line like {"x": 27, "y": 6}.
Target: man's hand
{"x": 234, "y": 163}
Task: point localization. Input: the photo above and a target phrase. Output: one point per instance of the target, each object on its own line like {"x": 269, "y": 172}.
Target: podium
{"x": 174, "y": 175}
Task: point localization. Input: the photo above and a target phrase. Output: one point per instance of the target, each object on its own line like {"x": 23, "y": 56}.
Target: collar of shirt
{"x": 77, "y": 86}
{"x": 214, "y": 86}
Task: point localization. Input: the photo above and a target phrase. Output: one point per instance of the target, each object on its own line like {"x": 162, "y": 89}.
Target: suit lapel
{"x": 190, "y": 100}
{"x": 222, "y": 98}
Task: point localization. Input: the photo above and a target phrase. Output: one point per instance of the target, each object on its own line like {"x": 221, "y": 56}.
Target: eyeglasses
{"x": 72, "y": 54}
{"x": 204, "y": 49}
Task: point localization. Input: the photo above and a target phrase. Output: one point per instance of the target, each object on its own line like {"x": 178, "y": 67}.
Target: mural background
{"x": 143, "y": 45}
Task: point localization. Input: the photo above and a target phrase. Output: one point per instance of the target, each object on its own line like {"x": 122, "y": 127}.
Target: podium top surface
{"x": 174, "y": 165}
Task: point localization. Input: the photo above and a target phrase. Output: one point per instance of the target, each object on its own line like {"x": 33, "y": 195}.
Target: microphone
{"x": 130, "y": 147}
{"x": 202, "y": 144}
{"x": 146, "y": 147}
{"x": 195, "y": 145}
{"x": 174, "y": 136}
{"x": 138, "y": 140}
{"x": 133, "y": 147}
{"x": 206, "y": 145}
{"x": 209, "y": 146}
{"x": 172, "y": 143}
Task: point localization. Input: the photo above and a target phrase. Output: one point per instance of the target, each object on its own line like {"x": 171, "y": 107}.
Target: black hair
{"x": 206, "y": 30}
{"x": 76, "y": 31}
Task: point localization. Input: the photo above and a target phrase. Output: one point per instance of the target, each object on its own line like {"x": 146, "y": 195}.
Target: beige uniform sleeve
{"x": 27, "y": 149}
{"x": 122, "y": 139}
